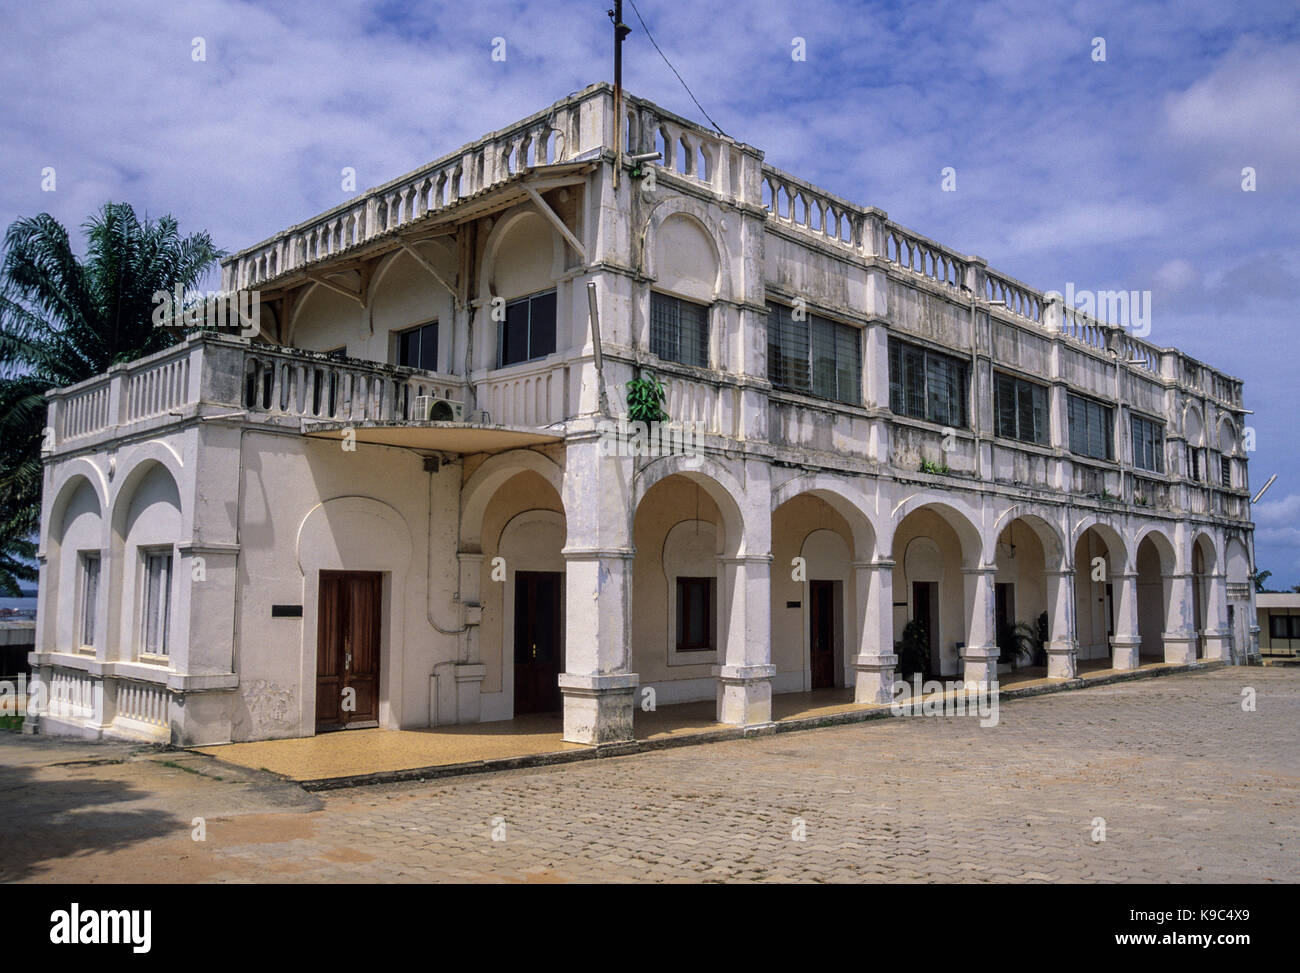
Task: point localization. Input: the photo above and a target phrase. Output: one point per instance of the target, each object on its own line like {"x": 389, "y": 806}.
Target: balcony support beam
{"x": 358, "y": 296}
{"x": 427, "y": 264}
{"x": 555, "y": 221}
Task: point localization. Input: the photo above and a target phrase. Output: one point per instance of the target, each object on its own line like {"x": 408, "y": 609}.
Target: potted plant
{"x": 913, "y": 650}
{"x": 1023, "y": 643}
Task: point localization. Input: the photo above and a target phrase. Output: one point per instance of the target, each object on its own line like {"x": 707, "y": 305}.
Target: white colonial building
{"x": 254, "y": 538}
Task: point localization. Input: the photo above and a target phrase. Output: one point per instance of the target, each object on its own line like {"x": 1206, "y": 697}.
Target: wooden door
{"x": 347, "y": 649}
{"x": 539, "y": 653}
{"x": 821, "y": 634}
{"x": 1004, "y": 619}
{"x": 924, "y": 605}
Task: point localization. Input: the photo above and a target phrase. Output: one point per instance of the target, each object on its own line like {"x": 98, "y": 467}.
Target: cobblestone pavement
{"x": 1190, "y": 787}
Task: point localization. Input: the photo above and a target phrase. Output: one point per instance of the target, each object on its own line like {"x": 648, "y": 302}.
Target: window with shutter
{"x": 1148, "y": 445}
{"x": 679, "y": 330}
{"x": 815, "y": 355}
{"x": 1091, "y": 432}
{"x": 928, "y": 385}
{"x": 156, "y": 610}
{"x": 1020, "y": 409}
{"x": 89, "y": 597}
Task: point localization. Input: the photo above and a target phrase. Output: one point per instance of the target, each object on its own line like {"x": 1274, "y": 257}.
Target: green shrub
{"x": 645, "y": 399}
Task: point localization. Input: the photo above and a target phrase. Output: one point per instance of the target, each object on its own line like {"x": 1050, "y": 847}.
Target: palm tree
{"x": 64, "y": 320}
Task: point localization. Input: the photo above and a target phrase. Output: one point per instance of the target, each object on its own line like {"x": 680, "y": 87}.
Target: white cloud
{"x": 1281, "y": 513}
{"x": 1244, "y": 112}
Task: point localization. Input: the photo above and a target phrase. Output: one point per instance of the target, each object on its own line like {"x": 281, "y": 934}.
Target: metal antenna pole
{"x": 621, "y": 30}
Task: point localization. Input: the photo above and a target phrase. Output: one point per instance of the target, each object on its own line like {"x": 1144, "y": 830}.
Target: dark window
{"x": 928, "y": 385}
{"x": 814, "y": 355}
{"x": 1225, "y": 471}
{"x": 1091, "y": 430}
{"x": 528, "y": 331}
{"x": 340, "y": 352}
{"x": 1284, "y": 626}
{"x": 1194, "y": 470}
{"x": 679, "y": 330}
{"x": 1020, "y": 409}
{"x": 787, "y": 349}
{"x": 418, "y": 347}
{"x": 1148, "y": 445}
{"x": 694, "y": 614}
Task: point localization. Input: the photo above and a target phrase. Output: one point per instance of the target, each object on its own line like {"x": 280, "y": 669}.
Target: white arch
{"x": 836, "y": 494}
{"x": 1210, "y": 550}
{"x": 1165, "y": 548}
{"x": 700, "y": 213}
{"x": 63, "y": 488}
{"x": 483, "y": 484}
{"x": 1225, "y": 419}
{"x": 721, "y": 486}
{"x": 317, "y": 541}
{"x": 954, "y": 511}
{"x": 1122, "y": 556}
{"x": 1048, "y": 532}
{"x": 497, "y": 236}
{"x": 1189, "y": 410}
{"x": 136, "y": 463}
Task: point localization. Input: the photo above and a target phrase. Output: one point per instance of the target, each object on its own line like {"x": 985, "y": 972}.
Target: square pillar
{"x": 1125, "y": 643}
{"x": 1179, "y": 637}
{"x": 597, "y": 684}
{"x": 876, "y": 662}
{"x": 980, "y": 656}
{"x": 744, "y": 690}
{"x": 1216, "y": 634}
{"x": 1063, "y": 647}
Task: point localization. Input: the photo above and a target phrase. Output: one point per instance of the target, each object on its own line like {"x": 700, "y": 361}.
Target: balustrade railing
{"x": 143, "y": 703}
{"x": 317, "y": 387}
{"x": 803, "y": 207}
{"x": 84, "y": 409}
{"x": 526, "y": 397}
{"x": 703, "y": 406}
{"x": 545, "y": 138}
{"x": 157, "y": 389}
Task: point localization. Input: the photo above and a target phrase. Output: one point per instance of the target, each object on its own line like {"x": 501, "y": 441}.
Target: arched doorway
{"x": 943, "y": 595}
{"x": 1155, "y": 562}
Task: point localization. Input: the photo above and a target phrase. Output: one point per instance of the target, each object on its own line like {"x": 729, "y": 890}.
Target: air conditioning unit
{"x": 434, "y": 408}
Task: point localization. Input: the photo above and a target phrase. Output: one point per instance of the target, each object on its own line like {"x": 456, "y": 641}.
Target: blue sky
{"x": 1125, "y": 173}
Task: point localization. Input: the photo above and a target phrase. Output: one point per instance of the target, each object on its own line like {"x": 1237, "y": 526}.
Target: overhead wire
{"x": 716, "y": 127}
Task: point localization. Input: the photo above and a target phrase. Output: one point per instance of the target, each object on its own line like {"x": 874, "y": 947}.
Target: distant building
{"x": 1279, "y": 623}
{"x": 245, "y": 539}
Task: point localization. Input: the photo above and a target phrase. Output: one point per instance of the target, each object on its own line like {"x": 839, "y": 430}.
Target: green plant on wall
{"x": 940, "y": 469}
{"x": 645, "y": 399}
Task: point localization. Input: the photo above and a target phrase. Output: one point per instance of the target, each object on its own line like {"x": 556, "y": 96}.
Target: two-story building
{"x": 407, "y": 501}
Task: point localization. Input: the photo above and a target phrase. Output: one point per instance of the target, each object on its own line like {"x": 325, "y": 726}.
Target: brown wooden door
{"x": 924, "y": 602}
{"x": 539, "y": 652}
{"x": 347, "y": 649}
{"x": 821, "y": 635}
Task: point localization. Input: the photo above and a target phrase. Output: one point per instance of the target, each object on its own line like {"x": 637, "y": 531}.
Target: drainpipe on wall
{"x": 462, "y": 647}
{"x": 593, "y": 308}
{"x": 973, "y": 392}
{"x": 428, "y": 578}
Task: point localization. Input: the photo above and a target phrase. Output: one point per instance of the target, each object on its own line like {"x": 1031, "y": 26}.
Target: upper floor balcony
{"x": 212, "y": 377}
{"x": 932, "y": 294}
